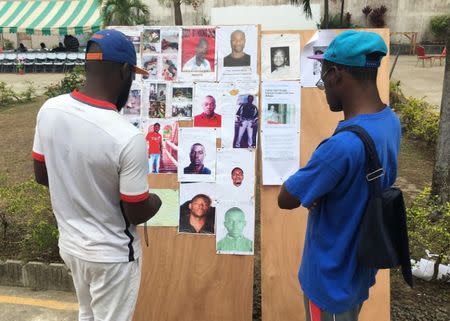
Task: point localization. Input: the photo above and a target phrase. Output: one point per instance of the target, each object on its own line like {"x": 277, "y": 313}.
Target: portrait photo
{"x": 237, "y": 48}
{"x": 280, "y": 57}
{"x": 198, "y": 50}
{"x": 317, "y": 66}
{"x": 235, "y": 228}
{"x": 197, "y": 208}
{"x": 197, "y": 154}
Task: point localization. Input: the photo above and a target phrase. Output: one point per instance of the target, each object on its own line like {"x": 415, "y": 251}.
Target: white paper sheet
{"x": 235, "y": 176}
{"x": 280, "y": 130}
{"x": 316, "y": 45}
{"x": 197, "y": 146}
{"x": 156, "y": 99}
{"x": 241, "y": 41}
{"x": 133, "y": 107}
{"x": 235, "y": 228}
{"x": 280, "y": 56}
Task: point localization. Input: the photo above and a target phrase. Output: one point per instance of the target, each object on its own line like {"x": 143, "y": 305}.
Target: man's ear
{"x": 190, "y": 206}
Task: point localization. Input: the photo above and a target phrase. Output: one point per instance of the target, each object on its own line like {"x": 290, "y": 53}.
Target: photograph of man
{"x": 208, "y": 118}
{"x": 151, "y": 65}
{"x": 199, "y": 62}
{"x": 169, "y": 71}
{"x": 154, "y": 140}
{"x": 237, "y": 176}
{"x": 151, "y": 40}
{"x": 197, "y": 156}
{"x": 235, "y": 240}
{"x": 279, "y": 57}
{"x": 237, "y": 57}
{"x": 197, "y": 215}
{"x": 246, "y": 121}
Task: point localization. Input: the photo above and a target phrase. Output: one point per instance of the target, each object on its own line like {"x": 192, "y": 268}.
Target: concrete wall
{"x": 402, "y": 15}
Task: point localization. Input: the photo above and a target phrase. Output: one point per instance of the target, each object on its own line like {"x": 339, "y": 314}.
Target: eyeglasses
{"x": 320, "y": 84}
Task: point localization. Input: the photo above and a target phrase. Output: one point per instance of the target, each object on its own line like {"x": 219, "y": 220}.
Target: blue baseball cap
{"x": 355, "y": 49}
{"x": 115, "y": 47}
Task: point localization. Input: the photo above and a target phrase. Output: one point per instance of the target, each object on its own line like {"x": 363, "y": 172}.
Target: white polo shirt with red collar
{"x": 94, "y": 159}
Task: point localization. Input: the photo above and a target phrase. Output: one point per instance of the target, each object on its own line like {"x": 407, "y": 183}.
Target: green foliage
{"x": 419, "y": 120}
{"x": 71, "y": 81}
{"x": 25, "y": 210}
{"x": 8, "y": 44}
{"x": 429, "y": 225}
{"x": 438, "y": 26}
{"x": 334, "y": 22}
{"x": 124, "y": 12}
{"x": 8, "y": 96}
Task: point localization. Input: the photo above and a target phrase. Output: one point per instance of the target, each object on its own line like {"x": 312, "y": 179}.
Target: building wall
{"x": 402, "y": 15}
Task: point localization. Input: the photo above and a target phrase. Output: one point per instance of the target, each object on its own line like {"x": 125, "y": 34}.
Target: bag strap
{"x": 374, "y": 170}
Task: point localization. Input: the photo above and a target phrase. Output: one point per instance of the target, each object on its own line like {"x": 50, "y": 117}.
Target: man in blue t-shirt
{"x": 333, "y": 184}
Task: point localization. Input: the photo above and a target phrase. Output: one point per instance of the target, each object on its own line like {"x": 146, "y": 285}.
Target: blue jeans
{"x": 154, "y": 160}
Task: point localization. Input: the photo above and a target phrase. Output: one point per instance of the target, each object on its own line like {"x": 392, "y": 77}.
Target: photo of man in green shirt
{"x": 235, "y": 240}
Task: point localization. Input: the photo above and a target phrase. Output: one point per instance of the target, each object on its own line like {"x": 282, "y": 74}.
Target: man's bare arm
{"x": 286, "y": 201}
{"x": 140, "y": 212}
{"x": 40, "y": 172}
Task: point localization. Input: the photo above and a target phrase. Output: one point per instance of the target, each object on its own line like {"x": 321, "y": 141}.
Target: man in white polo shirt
{"x": 95, "y": 164}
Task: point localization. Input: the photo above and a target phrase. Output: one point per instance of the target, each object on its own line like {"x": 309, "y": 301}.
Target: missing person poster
{"x": 162, "y": 143}
{"x": 237, "y": 53}
{"x": 280, "y": 130}
{"x": 280, "y": 56}
{"x": 235, "y": 227}
{"x": 198, "y": 54}
{"x": 312, "y": 68}
{"x": 240, "y": 118}
{"x": 197, "y": 154}
{"x": 235, "y": 178}
{"x": 156, "y": 99}
{"x": 197, "y": 208}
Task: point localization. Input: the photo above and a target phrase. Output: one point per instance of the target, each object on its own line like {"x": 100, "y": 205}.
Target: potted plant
{"x": 20, "y": 66}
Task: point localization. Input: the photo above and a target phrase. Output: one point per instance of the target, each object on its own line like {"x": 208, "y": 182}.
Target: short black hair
{"x": 205, "y": 197}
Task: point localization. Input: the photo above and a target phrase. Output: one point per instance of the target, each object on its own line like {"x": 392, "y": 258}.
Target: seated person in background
{"x": 60, "y": 48}
{"x": 43, "y": 47}
{"x": 71, "y": 43}
{"x": 22, "y": 48}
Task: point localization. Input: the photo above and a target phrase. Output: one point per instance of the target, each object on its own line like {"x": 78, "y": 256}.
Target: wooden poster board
{"x": 282, "y": 232}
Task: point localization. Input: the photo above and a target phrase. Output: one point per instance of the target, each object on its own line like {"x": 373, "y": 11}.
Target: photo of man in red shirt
{"x": 208, "y": 118}
{"x": 154, "y": 140}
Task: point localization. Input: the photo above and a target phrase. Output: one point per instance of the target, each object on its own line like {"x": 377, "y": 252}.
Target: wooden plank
{"x": 282, "y": 232}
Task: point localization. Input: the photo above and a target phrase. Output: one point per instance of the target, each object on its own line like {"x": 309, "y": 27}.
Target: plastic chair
{"x": 80, "y": 59}
{"x": 60, "y": 62}
{"x": 441, "y": 56}
{"x": 71, "y": 60}
{"x": 39, "y": 62}
{"x": 420, "y": 51}
{"x": 29, "y": 61}
{"x": 2, "y": 60}
{"x": 51, "y": 57}
{"x": 10, "y": 61}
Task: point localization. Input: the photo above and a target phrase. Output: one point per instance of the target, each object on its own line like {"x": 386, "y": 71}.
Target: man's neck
{"x": 209, "y": 116}
{"x": 198, "y": 168}
{"x": 197, "y": 222}
{"x": 362, "y": 101}
{"x": 198, "y": 61}
{"x": 98, "y": 92}
{"x": 237, "y": 55}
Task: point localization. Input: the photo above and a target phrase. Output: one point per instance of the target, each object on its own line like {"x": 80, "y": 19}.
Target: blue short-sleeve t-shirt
{"x": 334, "y": 178}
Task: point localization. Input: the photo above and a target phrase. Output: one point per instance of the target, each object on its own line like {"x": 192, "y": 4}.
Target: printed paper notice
{"x": 280, "y": 130}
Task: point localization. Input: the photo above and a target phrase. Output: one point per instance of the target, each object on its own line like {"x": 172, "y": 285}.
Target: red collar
{"x": 91, "y": 101}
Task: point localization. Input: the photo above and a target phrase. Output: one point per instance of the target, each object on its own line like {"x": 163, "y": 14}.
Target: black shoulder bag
{"x": 383, "y": 235}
